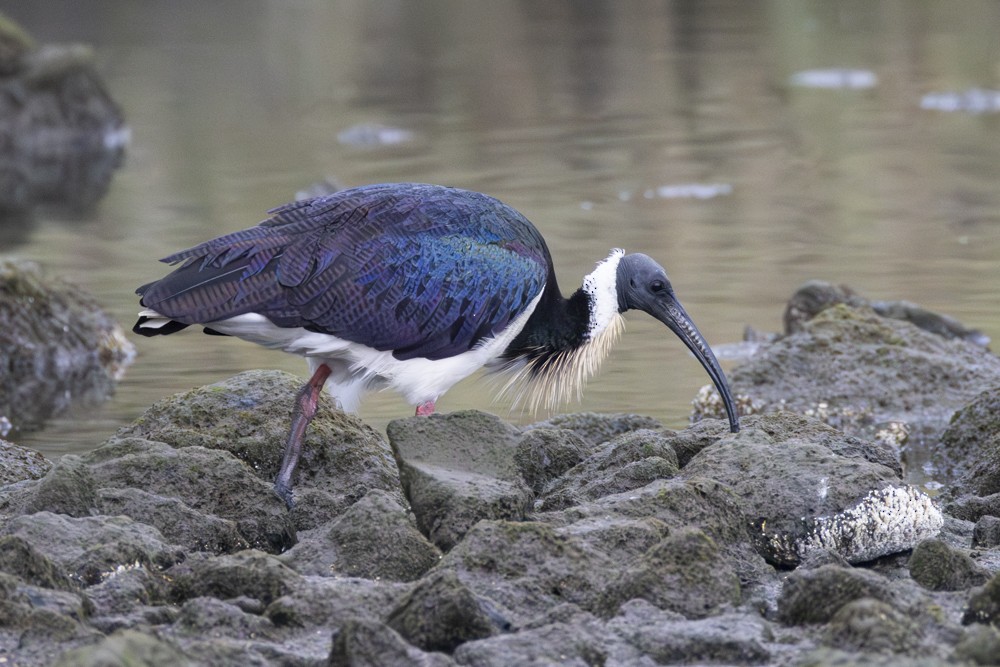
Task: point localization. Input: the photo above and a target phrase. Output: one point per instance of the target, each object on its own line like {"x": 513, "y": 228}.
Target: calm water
{"x": 592, "y": 118}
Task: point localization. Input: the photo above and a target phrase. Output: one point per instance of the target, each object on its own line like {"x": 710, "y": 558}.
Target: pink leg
{"x": 425, "y": 409}
{"x": 302, "y": 414}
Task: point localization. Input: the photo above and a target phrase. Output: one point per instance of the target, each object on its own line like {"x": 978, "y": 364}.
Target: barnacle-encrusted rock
{"x": 885, "y": 521}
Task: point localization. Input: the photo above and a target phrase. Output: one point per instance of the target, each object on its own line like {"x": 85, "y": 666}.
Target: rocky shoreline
{"x": 586, "y": 539}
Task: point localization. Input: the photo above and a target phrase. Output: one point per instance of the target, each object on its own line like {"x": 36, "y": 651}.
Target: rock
{"x": 684, "y": 573}
{"x": 248, "y": 415}
{"x": 458, "y": 469}
{"x": 815, "y": 596}
{"x": 441, "y": 613}
{"x": 58, "y": 347}
{"x": 873, "y": 626}
{"x": 68, "y": 488}
{"x": 20, "y": 558}
{"x": 63, "y": 134}
{"x": 374, "y": 538}
{"x": 210, "y": 481}
{"x": 626, "y": 462}
{"x": 544, "y": 454}
{"x": 972, "y": 508}
{"x": 526, "y": 567}
{"x": 729, "y": 638}
{"x": 209, "y": 616}
{"x": 816, "y": 296}
{"x": 91, "y": 549}
{"x": 624, "y": 526}
{"x": 19, "y": 463}
{"x": 936, "y": 566}
{"x": 252, "y": 574}
{"x": 597, "y": 428}
{"x": 565, "y": 636}
{"x": 967, "y": 445}
{"x": 366, "y": 643}
{"x": 313, "y": 603}
{"x": 984, "y": 604}
{"x": 821, "y": 491}
{"x": 179, "y": 523}
{"x": 979, "y": 646}
{"x": 127, "y": 647}
{"x": 986, "y": 534}
{"x": 862, "y": 372}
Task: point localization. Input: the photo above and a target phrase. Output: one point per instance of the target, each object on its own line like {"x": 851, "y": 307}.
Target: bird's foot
{"x": 284, "y": 492}
{"x": 425, "y": 409}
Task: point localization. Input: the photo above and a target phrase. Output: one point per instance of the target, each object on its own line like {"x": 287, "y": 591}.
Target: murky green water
{"x": 595, "y": 119}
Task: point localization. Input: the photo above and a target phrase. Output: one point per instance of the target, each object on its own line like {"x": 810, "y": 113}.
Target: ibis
{"x": 411, "y": 287}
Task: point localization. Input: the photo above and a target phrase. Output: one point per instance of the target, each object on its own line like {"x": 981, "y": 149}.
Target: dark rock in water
{"x": 816, "y": 296}
{"x": 972, "y": 437}
{"x": 937, "y": 566}
{"x": 526, "y": 567}
{"x": 684, "y": 573}
{"x": 441, "y": 613}
{"x": 729, "y": 638}
{"x": 18, "y": 463}
{"x": 374, "y": 538}
{"x": 247, "y": 415}
{"x": 566, "y": 635}
{"x": 367, "y": 643}
{"x": 63, "y": 135}
{"x": 58, "y": 348}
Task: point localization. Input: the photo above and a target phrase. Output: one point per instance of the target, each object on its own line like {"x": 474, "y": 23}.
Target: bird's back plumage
{"x": 419, "y": 270}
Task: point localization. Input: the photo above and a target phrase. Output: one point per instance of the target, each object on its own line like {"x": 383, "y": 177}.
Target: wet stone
{"x": 984, "y": 604}
{"x": 367, "y": 643}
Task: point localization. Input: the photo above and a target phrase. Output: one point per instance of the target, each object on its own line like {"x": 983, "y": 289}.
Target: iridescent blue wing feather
{"x": 421, "y": 270}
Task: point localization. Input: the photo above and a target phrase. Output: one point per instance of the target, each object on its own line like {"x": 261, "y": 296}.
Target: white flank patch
{"x": 601, "y": 285}
{"x": 357, "y": 368}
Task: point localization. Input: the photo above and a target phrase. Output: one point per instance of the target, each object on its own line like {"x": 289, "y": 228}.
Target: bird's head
{"x": 642, "y": 284}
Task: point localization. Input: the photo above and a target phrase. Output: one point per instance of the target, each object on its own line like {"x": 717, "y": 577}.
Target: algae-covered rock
{"x": 684, "y": 573}
{"x": 937, "y": 566}
{"x": 248, "y": 415}
{"x": 815, "y": 596}
{"x": 441, "y": 613}
{"x": 19, "y": 463}
{"x": 58, "y": 347}
{"x": 375, "y": 538}
{"x": 863, "y": 373}
{"x": 127, "y": 647}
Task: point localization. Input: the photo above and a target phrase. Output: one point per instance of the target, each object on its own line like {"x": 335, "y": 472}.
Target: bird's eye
{"x": 657, "y": 286}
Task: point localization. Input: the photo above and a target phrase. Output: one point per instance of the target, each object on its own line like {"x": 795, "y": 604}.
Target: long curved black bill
{"x": 670, "y": 312}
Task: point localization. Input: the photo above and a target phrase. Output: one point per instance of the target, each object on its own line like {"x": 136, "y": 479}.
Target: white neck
{"x": 601, "y": 285}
